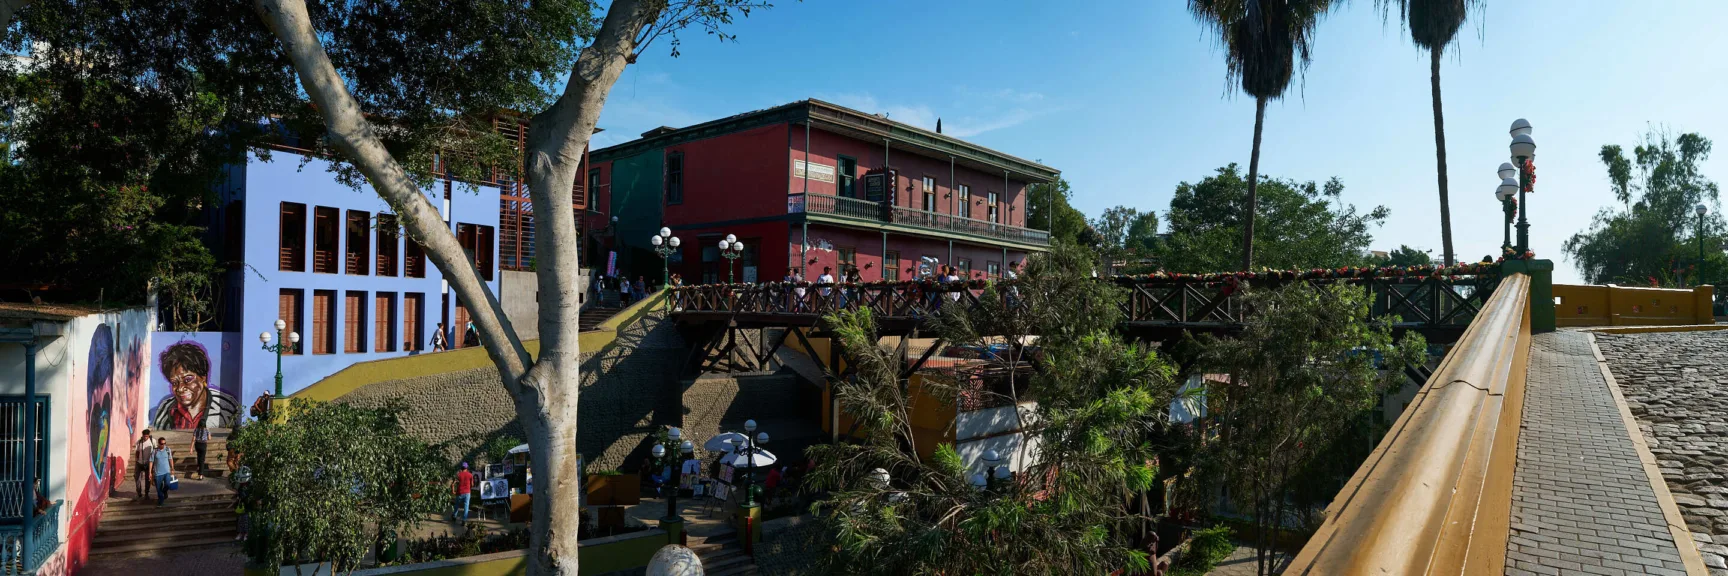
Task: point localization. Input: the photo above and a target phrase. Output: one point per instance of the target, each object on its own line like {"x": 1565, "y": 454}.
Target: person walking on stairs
{"x": 200, "y": 443}
{"x": 162, "y": 467}
{"x": 142, "y": 454}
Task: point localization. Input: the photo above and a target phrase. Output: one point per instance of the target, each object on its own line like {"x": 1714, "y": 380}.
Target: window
{"x": 593, "y": 187}
{"x": 965, "y": 201}
{"x": 710, "y": 261}
{"x": 476, "y": 241}
{"x": 384, "y": 322}
{"x": 323, "y": 321}
{"x": 292, "y": 238}
{"x": 413, "y": 306}
{"x": 891, "y": 263}
{"x": 13, "y": 437}
{"x": 990, "y": 202}
{"x": 354, "y": 323}
{"x": 414, "y": 259}
{"x": 848, "y": 259}
{"x": 674, "y": 178}
{"x": 994, "y": 269}
{"x": 965, "y": 266}
{"x": 461, "y": 327}
{"x": 359, "y": 242}
{"x": 929, "y": 194}
{"x": 324, "y": 239}
{"x": 388, "y": 240}
{"x": 288, "y": 310}
{"x": 847, "y": 184}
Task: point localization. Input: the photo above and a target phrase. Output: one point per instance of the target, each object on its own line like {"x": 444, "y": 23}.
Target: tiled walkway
{"x": 1581, "y": 502}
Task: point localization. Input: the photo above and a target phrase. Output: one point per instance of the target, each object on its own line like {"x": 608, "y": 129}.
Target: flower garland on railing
{"x": 1347, "y": 272}
{"x": 973, "y": 284}
{"x": 1509, "y": 254}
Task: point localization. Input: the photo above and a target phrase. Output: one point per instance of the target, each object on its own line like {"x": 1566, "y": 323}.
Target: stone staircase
{"x": 186, "y": 522}
{"x": 723, "y": 555}
{"x": 185, "y": 458}
{"x": 594, "y": 315}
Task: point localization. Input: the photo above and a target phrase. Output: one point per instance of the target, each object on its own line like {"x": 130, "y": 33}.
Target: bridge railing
{"x": 884, "y": 211}
{"x": 1434, "y": 497}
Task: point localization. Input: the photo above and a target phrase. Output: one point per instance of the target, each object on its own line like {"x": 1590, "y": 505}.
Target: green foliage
{"x": 1654, "y": 237}
{"x": 1433, "y": 24}
{"x": 1262, "y": 54}
{"x": 1126, "y": 234}
{"x": 332, "y": 478}
{"x": 1070, "y": 222}
{"x": 1308, "y": 364}
{"x": 1064, "y": 511}
{"x": 475, "y": 540}
{"x": 499, "y": 448}
{"x": 1206, "y": 548}
{"x": 1403, "y": 256}
{"x": 1300, "y": 225}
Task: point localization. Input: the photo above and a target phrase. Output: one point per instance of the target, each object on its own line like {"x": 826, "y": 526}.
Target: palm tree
{"x": 1433, "y": 25}
{"x": 1262, "y": 41}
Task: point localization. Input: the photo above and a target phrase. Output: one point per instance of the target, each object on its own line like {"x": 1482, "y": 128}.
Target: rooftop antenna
{"x": 938, "y": 125}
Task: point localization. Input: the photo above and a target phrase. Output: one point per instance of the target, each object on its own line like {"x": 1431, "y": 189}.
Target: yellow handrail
{"x": 1434, "y": 497}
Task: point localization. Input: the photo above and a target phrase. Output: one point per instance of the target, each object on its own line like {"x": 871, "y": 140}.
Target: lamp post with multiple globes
{"x": 287, "y": 343}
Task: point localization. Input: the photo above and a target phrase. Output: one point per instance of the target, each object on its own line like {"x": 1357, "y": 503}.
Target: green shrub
{"x": 1206, "y": 548}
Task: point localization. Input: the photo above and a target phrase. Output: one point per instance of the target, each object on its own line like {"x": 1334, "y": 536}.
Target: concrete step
{"x": 142, "y": 527}
{"x": 164, "y": 538}
{"x": 166, "y": 514}
{"x": 180, "y": 507}
{"x": 733, "y": 559}
{"x": 140, "y": 550}
{"x": 739, "y": 570}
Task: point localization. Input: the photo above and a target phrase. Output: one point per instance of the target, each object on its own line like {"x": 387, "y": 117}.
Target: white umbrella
{"x": 519, "y": 449}
{"x": 724, "y": 442}
{"x": 758, "y": 459}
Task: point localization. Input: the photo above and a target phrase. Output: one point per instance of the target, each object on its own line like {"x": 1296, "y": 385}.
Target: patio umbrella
{"x": 758, "y": 459}
{"x": 519, "y": 449}
{"x": 724, "y": 442}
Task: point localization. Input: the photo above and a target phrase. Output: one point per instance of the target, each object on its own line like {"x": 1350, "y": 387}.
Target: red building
{"x": 877, "y": 194}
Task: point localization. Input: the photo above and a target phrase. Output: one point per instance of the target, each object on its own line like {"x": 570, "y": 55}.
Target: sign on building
{"x": 818, "y": 172}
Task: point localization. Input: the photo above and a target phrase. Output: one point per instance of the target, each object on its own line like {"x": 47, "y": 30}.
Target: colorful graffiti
{"x": 99, "y": 379}
{"x": 186, "y": 367}
{"x": 126, "y": 399}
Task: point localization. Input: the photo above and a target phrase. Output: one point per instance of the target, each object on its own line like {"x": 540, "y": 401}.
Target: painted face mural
{"x": 186, "y": 366}
{"x": 125, "y": 403}
{"x": 100, "y": 381}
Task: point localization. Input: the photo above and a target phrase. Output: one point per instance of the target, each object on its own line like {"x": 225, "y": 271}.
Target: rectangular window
{"x": 461, "y": 326}
{"x": 384, "y": 322}
{"x": 388, "y": 241}
{"x": 965, "y": 266}
{"x": 13, "y": 438}
{"x": 994, "y": 269}
{"x": 593, "y": 187}
{"x": 413, "y": 307}
{"x": 848, "y": 258}
{"x": 288, "y": 310}
{"x": 325, "y": 238}
{"x": 965, "y": 201}
{"x": 292, "y": 241}
{"x": 354, "y": 323}
{"x": 847, "y": 185}
{"x": 323, "y": 321}
{"x": 891, "y": 265}
{"x": 476, "y": 241}
{"x": 929, "y": 194}
{"x": 414, "y": 259}
{"x": 486, "y": 251}
{"x": 359, "y": 242}
{"x": 990, "y": 202}
{"x": 675, "y": 178}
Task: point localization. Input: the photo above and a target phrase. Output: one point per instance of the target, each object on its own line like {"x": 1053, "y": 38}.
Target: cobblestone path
{"x": 1676, "y": 385}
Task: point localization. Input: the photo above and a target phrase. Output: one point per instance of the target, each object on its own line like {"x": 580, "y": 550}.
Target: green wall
{"x": 636, "y": 201}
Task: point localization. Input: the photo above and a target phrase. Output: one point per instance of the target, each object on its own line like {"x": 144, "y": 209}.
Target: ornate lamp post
{"x": 679, "y": 447}
{"x": 288, "y": 342}
{"x": 1700, "y": 210}
{"x": 664, "y": 245}
{"x": 1508, "y": 187}
{"x": 995, "y": 466}
{"x": 1523, "y": 151}
{"x": 751, "y": 443}
{"x": 732, "y": 249}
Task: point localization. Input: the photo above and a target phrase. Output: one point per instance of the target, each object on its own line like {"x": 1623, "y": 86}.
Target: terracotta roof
{"x": 56, "y": 312}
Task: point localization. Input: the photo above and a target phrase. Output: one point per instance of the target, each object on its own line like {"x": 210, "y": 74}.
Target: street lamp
{"x": 288, "y": 342}
{"x": 993, "y": 465}
{"x": 732, "y": 249}
{"x": 1505, "y": 192}
{"x": 680, "y": 447}
{"x": 1523, "y": 150}
{"x": 664, "y": 245}
{"x": 1700, "y": 210}
{"x": 751, "y": 444}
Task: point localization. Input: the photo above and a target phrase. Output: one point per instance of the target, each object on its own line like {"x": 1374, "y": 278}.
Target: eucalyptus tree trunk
{"x": 545, "y": 391}
{"x": 1440, "y": 159}
{"x": 1253, "y": 187}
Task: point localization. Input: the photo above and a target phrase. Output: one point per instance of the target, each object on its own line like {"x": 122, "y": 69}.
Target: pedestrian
{"x": 242, "y": 485}
{"x": 641, "y": 288}
{"x": 826, "y": 279}
{"x": 142, "y": 454}
{"x": 200, "y": 444}
{"x": 162, "y": 467}
{"x": 439, "y": 344}
{"x": 464, "y": 491}
{"x": 953, "y": 277}
{"x": 798, "y": 290}
{"x": 261, "y": 407}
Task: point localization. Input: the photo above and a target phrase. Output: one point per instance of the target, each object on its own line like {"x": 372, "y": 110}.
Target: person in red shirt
{"x": 464, "y": 491}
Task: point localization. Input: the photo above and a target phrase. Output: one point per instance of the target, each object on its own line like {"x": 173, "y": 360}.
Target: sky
{"x": 1129, "y": 99}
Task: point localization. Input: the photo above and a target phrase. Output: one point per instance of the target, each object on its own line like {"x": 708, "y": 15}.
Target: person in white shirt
{"x": 798, "y": 278}
{"x": 952, "y": 277}
{"x": 826, "y": 278}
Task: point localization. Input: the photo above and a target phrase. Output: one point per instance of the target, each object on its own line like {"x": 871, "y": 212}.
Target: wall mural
{"x": 186, "y": 367}
{"x": 99, "y": 380}
{"x": 126, "y": 397}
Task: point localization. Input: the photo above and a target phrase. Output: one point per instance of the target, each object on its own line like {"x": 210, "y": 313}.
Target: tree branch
{"x": 354, "y": 136}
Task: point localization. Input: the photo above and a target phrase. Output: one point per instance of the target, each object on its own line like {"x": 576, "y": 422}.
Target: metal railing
{"x": 44, "y": 540}
{"x": 883, "y": 212}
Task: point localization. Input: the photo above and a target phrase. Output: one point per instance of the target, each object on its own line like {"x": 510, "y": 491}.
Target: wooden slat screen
{"x": 359, "y": 242}
{"x": 384, "y": 322}
{"x": 388, "y": 241}
{"x": 292, "y": 238}
{"x": 323, "y": 322}
{"x": 354, "y": 323}
{"x": 412, "y": 304}
{"x": 288, "y": 310}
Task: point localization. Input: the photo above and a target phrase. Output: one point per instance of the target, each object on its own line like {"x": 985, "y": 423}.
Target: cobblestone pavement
{"x": 221, "y": 561}
{"x": 1676, "y": 385}
{"x": 1581, "y": 503}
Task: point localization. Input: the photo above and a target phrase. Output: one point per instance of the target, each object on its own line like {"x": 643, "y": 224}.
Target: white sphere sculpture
{"x": 674, "y": 560}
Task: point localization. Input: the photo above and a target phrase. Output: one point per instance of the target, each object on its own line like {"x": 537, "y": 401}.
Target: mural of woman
{"x": 186, "y": 365}
{"x": 125, "y": 398}
{"x": 100, "y": 380}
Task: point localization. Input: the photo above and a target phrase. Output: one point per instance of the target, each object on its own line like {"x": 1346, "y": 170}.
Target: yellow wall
{"x": 1626, "y": 306}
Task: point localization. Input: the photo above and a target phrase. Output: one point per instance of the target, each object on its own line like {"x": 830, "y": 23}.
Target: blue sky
{"x": 1128, "y": 99}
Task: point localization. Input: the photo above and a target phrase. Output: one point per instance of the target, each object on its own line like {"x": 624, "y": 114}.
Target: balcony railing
{"x": 882, "y": 212}
{"x": 44, "y": 539}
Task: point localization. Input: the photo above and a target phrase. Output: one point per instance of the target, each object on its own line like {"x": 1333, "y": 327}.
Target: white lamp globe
{"x": 664, "y": 231}
{"x": 674, "y": 241}
{"x": 731, "y": 238}
{"x": 1002, "y": 472}
{"x": 762, "y": 438}
{"x": 879, "y": 478}
{"x": 1700, "y": 210}
{"x": 1523, "y": 146}
{"x": 1520, "y": 127}
{"x": 658, "y": 451}
{"x": 1507, "y": 170}
{"x": 687, "y": 448}
{"x": 1508, "y": 186}
{"x": 294, "y": 337}
{"x": 991, "y": 457}
{"x": 281, "y": 325}
{"x": 1501, "y": 195}
{"x": 978, "y": 480}
{"x": 264, "y": 337}
{"x": 749, "y": 425}
{"x": 654, "y": 240}
{"x": 724, "y": 243}
{"x": 675, "y": 434}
